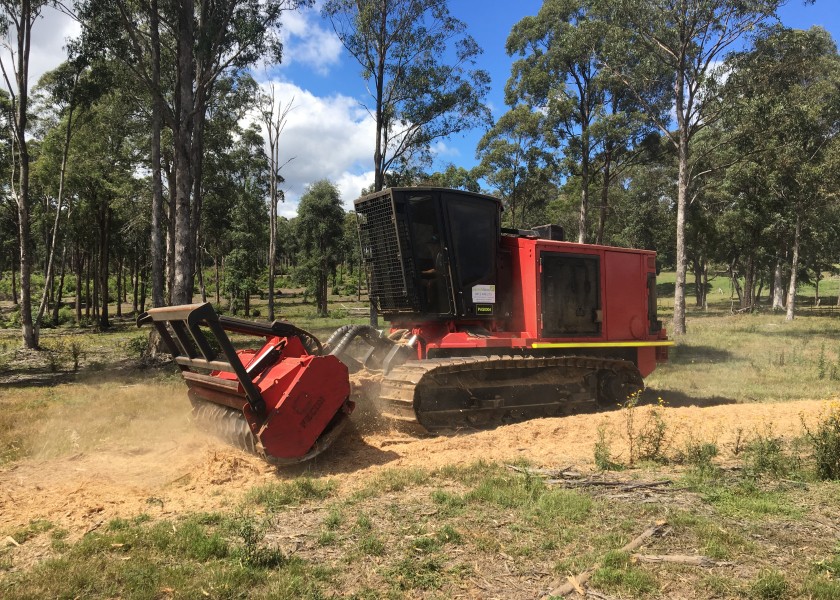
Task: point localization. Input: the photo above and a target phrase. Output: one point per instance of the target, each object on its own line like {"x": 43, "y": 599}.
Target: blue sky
{"x": 489, "y": 22}
{"x": 328, "y": 133}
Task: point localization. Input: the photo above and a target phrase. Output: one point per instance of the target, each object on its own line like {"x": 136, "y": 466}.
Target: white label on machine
{"x": 484, "y": 293}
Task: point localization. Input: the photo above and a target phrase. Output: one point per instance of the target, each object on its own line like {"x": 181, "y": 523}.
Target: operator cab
{"x": 431, "y": 252}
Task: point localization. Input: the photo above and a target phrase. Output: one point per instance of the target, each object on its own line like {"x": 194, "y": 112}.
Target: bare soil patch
{"x": 154, "y": 462}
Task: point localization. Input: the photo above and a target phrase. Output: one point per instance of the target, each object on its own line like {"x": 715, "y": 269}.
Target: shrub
{"x": 825, "y": 443}
{"x": 698, "y": 454}
{"x": 770, "y": 585}
{"x": 603, "y": 451}
{"x": 66, "y": 315}
{"x": 766, "y": 454}
{"x": 647, "y": 432}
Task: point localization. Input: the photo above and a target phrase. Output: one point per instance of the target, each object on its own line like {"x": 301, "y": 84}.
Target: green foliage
{"x": 275, "y": 496}
{"x": 617, "y": 573}
{"x": 250, "y": 529}
{"x": 698, "y": 455}
{"x": 419, "y": 62}
{"x": 320, "y": 231}
{"x": 766, "y": 454}
{"x": 824, "y": 439}
{"x": 645, "y": 430}
{"x": 770, "y": 585}
{"x": 603, "y": 451}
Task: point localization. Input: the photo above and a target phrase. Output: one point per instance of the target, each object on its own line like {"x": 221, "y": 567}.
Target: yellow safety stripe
{"x": 600, "y": 344}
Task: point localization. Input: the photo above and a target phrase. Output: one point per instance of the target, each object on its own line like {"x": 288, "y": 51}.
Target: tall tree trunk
{"x": 14, "y": 279}
{"x": 170, "y": 235}
{"x": 678, "y": 327}
{"x": 698, "y": 282}
{"x": 157, "y": 238}
{"x": 143, "y": 277}
{"x": 778, "y": 285}
{"x": 183, "y": 137}
{"x": 120, "y": 288}
{"x": 48, "y": 277}
{"x": 584, "y": 185}
{"x": 94, "y": 267}
{"x": 216, "y": 273}
{"x": 605, "y": 195}
{"x": 135, "y": 284}
{"x": 200, "y": 269}
{"x": 749, "y": 284}
{"x": 79, "y": 264}
{"x": 196, "y": 168}
{"x": 23, "y": 19}
{"x": 88, "y": 297}
{"x": 60, "y": 292}
{"x": 104, "y": 243}
{"x": 794, "y": 265}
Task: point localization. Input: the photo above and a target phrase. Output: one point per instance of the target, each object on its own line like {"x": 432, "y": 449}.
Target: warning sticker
{"x": 484, "y": 293}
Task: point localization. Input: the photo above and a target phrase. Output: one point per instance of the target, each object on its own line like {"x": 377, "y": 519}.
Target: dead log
{"x": 575, "y": 584}
{"x": 693, "y": 560}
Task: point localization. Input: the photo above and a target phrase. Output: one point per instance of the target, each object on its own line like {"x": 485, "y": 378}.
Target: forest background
{"x": 159, "y": 161}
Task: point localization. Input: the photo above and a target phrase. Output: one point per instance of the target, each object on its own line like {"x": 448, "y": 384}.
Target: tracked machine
{"x": 487, "y": 326}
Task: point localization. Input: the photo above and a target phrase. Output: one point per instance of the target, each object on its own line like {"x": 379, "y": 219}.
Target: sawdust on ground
{"x": 165, "y": 468}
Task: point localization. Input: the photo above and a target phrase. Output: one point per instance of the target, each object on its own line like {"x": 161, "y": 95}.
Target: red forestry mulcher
{"x": 487, "y": 326}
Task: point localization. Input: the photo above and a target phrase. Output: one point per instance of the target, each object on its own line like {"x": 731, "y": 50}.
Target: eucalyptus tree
{"x": 786, "y": 92}
{"x": 248, "y": 172}
{"x": 274, "y": 116}
{"x": 586, "y": 113}
{"x": 417, "y": 95}
{"x": 17, "y": 19}
{"x": 180, "y": 64}
{"x": 454, "y": 177}
{"x": 558, "y": 72}
{"x": 516, "y": 161}
{"x": 237, "y": 98}
{"x": 689, "y": 38}
{"x": 319, "y": 228}
{"x": 101, "y": 166}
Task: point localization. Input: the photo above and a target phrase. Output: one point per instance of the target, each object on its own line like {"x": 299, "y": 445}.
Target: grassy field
{"x": 758, "y": 510}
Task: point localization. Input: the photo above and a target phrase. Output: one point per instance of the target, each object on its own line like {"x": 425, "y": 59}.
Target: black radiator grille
{"x": 381, "y": 251}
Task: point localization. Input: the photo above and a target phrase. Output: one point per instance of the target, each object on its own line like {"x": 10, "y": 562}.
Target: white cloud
{"x": 440, "y": 149}
{"x": 305, "y": 41}
{"x": 49, "y": 36}
{"x": 325, "y": 138}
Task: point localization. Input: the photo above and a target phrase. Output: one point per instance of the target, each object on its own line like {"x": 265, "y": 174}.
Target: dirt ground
{"x": 162, "y": 467}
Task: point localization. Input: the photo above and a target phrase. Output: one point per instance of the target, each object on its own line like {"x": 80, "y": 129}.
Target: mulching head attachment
{"x": 285, "y": 400}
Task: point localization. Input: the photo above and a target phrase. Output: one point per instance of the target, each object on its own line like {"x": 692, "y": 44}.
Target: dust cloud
{"x": 122, "y": 451}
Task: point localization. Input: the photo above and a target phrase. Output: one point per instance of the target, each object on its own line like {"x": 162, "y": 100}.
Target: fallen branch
{"x": 565, "y": 473}
{"x": 624, "y": 486}
{"x": 577, "y": 583}
{"x": 693, "y": 560}
{"x": 570, "y": 478}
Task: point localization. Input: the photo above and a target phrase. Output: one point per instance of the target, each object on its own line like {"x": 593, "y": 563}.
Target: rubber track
{"x": 398, "y": 387}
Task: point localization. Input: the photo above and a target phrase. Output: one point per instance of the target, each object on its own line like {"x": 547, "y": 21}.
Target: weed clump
{"x": 770, "y": 585}
{"x": 824, "y": 440}
{"x": 698, "y": 455}
{"x": 646, "y": 432}
{"x": 766, "y": 454}
{"x": 603, "y": 451}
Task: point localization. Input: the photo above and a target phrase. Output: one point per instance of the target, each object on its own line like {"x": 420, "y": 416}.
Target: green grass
{"x": 186, "y": 558}
{"x": 618, "y": 574}
{"x": 275, "y": 496}
{"x": 439, "y": 534}
{"x": 408, "y": 532}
